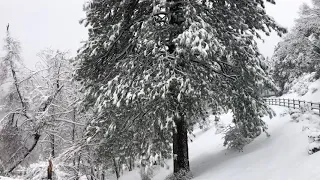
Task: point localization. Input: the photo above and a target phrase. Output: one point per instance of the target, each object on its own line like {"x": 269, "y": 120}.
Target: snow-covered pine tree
{"x": 299, "y": 52}
{"x": 155, "y": 66}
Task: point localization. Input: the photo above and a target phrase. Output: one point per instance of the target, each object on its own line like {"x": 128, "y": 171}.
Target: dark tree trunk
{"x": 130, "y": 163}
{"x": 50, "y": 170}
{"x": 116, "y": 168}
{"x": 180, "y": 134}
{"x": 180, "y": 145}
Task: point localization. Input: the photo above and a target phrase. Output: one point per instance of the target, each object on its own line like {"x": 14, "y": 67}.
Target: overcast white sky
{"x": 39, "y": 24}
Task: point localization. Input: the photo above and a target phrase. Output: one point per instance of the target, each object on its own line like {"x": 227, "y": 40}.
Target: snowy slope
{"x": 304, "y": 88}
{"x": 282, "y": 156}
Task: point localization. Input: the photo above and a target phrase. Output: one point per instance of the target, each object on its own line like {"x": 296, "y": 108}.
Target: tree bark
{"x": 180, "y": 134}
{"x": 116, "y": 168}
{"x": 50, "y": 170}
{"x": 180, "y": 145}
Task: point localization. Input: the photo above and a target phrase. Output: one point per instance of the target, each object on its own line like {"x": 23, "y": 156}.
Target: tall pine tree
{"x": 155, "y": 66}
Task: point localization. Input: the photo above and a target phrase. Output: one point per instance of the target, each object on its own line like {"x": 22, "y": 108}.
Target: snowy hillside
{"x": 305, "y": 88}
{"x": 283, "y": 155}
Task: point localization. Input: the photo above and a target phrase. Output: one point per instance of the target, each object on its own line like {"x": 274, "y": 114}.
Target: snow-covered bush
{"x": 146, "y": 170}
{"x": 314, "y": 140}
{"x": 181, "y": 175}
{"x": 38, "y": 171}
{"x": 220, "y": 126}
{"x": 311, "y": 124}
{"x": 300, "y": 85}
{"x": 301, "y": 114}
{"x": 234, "y": 138}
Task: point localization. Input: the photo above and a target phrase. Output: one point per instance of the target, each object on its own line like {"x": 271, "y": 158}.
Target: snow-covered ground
{"x": 282, "y": 156}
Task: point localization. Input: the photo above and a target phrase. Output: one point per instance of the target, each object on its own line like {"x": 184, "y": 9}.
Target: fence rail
{"x": 294, "y": 103}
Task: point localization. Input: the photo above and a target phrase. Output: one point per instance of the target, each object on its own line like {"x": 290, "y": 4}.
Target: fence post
{"x": 319, "y": 108}
{"x": 288, "y": 103}
{"x": 299, "y": 104}
{"x": 294, "y": 104}
{"x": 311, "y": 106}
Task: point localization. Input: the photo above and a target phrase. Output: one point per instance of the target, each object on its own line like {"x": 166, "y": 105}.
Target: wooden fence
{"x": 294, "y": 103}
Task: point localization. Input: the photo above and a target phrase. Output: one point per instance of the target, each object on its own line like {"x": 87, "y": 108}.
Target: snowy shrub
{"x": 301, "y": 114}
{"x": 205, "y": 125}
{"x": 220, "y": 127}
{"x": 300, "y": 85}
{"x": 146, "y": 170}
{"x": 234, "y": 139}
{"x": 314, "y": 140}
{"x": 295, "y": 114}
{"x": 311, "y": 124}
{"x": 38, "y": 171}
{"x": 181, "y": 175}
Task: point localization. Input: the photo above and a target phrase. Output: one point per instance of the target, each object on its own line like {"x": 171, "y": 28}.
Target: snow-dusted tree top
{"x": 128, "y": 73}
{"x": 299, "y": 52}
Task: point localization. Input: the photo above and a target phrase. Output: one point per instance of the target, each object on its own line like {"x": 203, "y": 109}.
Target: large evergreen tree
{"x": 153, "y": 67}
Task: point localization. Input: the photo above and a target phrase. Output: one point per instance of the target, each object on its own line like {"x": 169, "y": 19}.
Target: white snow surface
{"x": 282, "y": 156}
{"x": 7, "y": 178}
{"x": 304, "y": 88}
